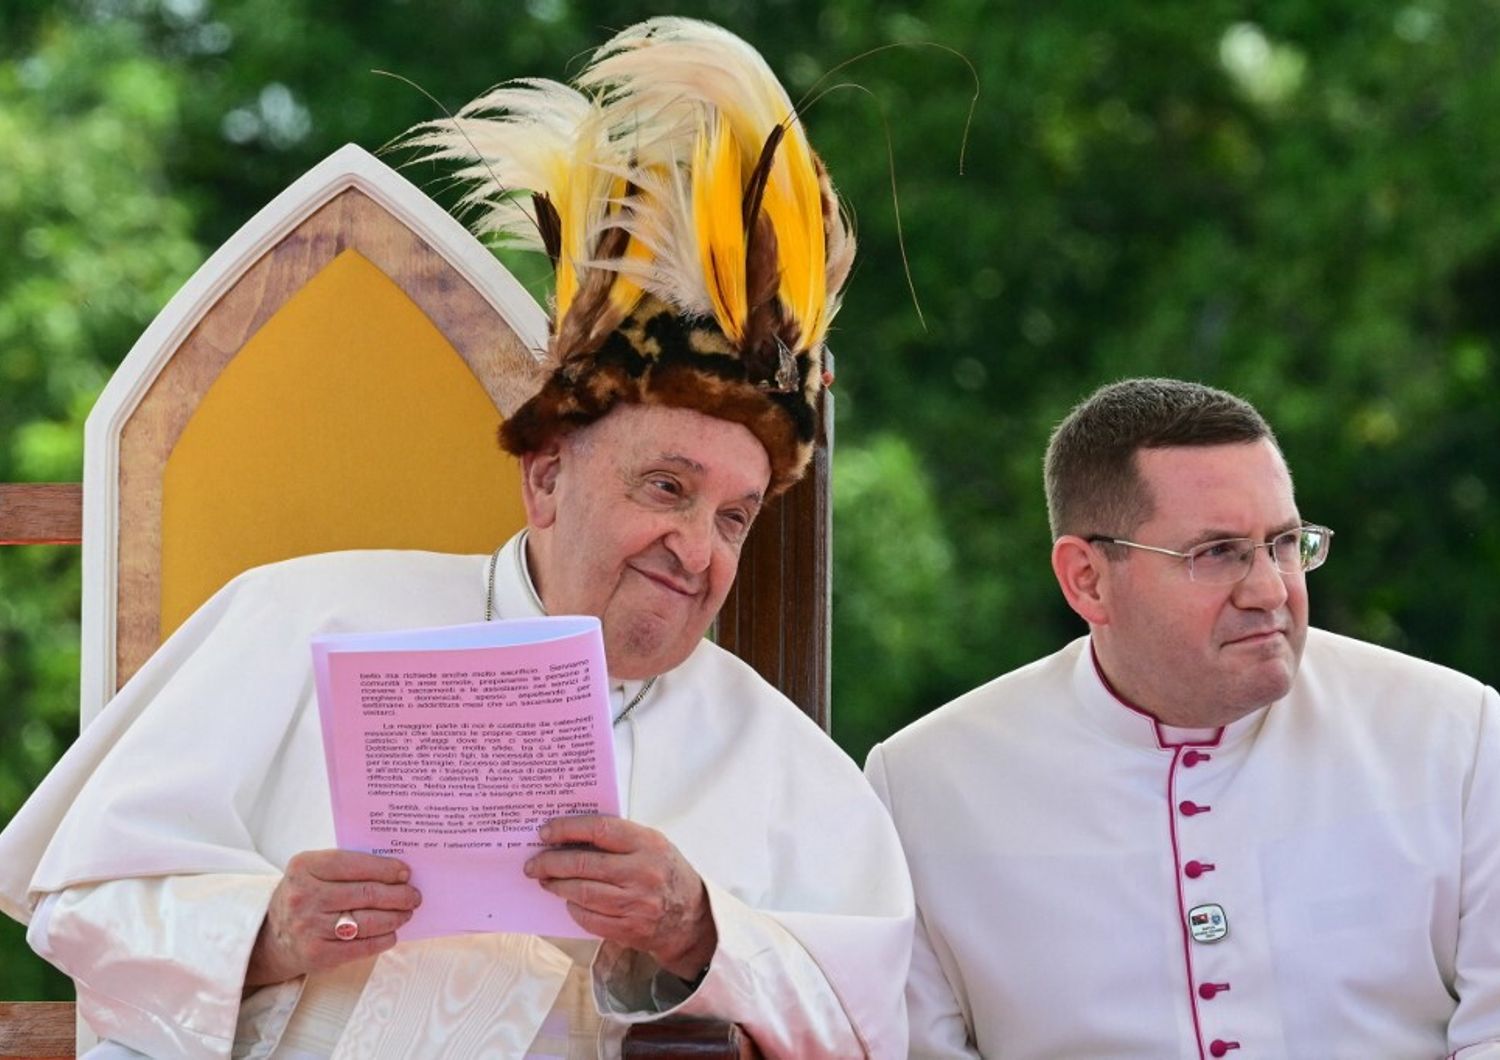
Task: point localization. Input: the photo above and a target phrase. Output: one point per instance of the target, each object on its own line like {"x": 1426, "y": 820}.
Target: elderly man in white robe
{"x": 178, "y": 863}
{"x": 1203, "y": 830}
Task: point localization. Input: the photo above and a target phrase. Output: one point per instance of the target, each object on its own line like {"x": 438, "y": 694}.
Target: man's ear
{"x": 1083, "y": 578}
{"x": 539, "y": 471}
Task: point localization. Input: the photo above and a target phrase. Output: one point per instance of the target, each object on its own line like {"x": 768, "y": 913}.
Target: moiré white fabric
{"x": 808, "y": 887}
{"x": 1061, "y": 844}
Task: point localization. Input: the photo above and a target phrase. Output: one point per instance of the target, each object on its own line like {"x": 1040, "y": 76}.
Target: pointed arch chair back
{"x": 331, "y": 378}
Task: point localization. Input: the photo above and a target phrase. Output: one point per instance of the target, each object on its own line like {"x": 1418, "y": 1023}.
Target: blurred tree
{"x": 96, "y": 243}
{"x": 895, "y": 573}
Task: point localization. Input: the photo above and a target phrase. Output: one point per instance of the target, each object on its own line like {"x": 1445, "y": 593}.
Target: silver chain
{"x": 635, "y": 701}
{"x": 489, "y": 615}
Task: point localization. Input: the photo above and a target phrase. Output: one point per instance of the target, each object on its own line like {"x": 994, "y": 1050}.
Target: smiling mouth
{"x": 665, "y": 582}
{"x": 1256, "y": 638}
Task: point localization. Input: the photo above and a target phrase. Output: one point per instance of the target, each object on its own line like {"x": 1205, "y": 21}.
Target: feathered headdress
{"x": 698, "y": 244}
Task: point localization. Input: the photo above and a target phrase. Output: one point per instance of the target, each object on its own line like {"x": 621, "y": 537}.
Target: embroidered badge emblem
{"x": 1207, "y": 923}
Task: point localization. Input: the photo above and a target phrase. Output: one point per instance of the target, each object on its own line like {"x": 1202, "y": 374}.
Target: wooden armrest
{"x": 680, "y": 1039}
{"x": 44, "y": 1030}
{"x": 41, "y": 513}
{"x": 37, "y": 1030}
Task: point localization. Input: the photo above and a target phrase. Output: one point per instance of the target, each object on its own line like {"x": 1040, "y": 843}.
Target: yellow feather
{"x": 572, "y": 229}
{"x": 794, "y": 204}
{"x": 625, "y": 292}
{"x": 667, "y": 73}
{"x": 717, "y": 219}
{"x": 583, "y": 202}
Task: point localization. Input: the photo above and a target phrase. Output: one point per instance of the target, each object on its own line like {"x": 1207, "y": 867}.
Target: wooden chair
{"x": 332, "y": 378}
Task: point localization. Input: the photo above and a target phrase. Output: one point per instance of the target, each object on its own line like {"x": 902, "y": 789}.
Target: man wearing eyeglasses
{"x": 1203, "y": 829}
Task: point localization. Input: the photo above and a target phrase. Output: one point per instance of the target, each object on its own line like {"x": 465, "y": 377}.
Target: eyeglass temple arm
{"x": 1100, "y": 539}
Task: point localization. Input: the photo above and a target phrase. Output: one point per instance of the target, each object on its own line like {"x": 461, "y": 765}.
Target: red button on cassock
{"x": 1207, "y": 991}
{"x": 1218, "y": 1047}
{"x": 1189, "y": 808}
{"x": 1194, "y": 869}
{"x": 1192, "y": 758}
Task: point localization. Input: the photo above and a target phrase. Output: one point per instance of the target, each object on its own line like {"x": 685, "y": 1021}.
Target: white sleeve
{"x": 760, "y": 977}
{"x": 1483, "y": 1051}
{"x": 159, "y": 962}
{"x": 1474, "y": 1030}
{"x": 939, "y": 1026}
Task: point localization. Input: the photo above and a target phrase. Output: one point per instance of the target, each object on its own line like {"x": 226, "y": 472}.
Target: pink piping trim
{"x": 1187, "y": 944}
{"x": 1176, "y": 749}
{"x": 1156, "y": 725}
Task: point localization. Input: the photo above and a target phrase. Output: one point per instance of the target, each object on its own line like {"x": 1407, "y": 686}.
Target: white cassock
{"x": 150, "y": 853}
{"x": 1319, "y": 879}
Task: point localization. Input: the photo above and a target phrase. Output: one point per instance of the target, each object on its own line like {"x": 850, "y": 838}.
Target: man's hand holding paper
{"x": 628, "y": 884}
{"x": 318, "y": 888}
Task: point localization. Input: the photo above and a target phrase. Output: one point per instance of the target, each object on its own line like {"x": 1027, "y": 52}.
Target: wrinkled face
{"x": 639, "y": 519}
{"x": 1199, "y": 654}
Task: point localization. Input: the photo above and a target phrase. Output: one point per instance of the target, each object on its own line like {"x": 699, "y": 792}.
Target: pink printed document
{"x": 448, "y": 748}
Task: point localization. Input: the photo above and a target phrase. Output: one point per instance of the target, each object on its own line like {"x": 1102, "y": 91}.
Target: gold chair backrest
{"x": 340, "y": 390}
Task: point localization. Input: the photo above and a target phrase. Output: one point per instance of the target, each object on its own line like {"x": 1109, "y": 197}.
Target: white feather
{"x": 517, "y": 138}
{"x": 662, "y": 78}
{"x": 661, "y": 219}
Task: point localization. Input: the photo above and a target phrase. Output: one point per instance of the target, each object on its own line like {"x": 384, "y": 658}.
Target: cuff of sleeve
{"x": 1481, "y": 1051}
{"x": 630, "y": 986}
{"x": 37, "y": 932}
{"x": 160, "y": 962}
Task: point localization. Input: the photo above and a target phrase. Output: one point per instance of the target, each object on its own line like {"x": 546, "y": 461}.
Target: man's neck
{"x": 1173, "y": 716}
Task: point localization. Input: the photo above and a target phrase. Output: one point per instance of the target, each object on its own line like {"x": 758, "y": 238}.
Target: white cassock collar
{"x": 1131, "y": 725}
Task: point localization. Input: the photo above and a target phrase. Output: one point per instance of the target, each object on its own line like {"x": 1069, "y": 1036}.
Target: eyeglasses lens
{"x": 1314, "y": 547}
{"x": 1292, "y": 550}
{"x": 1223, "y": 562}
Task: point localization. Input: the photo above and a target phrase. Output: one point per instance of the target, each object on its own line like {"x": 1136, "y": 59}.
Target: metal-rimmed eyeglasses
{"x": 1229, "y": 560}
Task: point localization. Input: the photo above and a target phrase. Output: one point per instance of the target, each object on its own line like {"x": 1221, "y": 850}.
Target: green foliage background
{"x": 1294, "y": 200}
